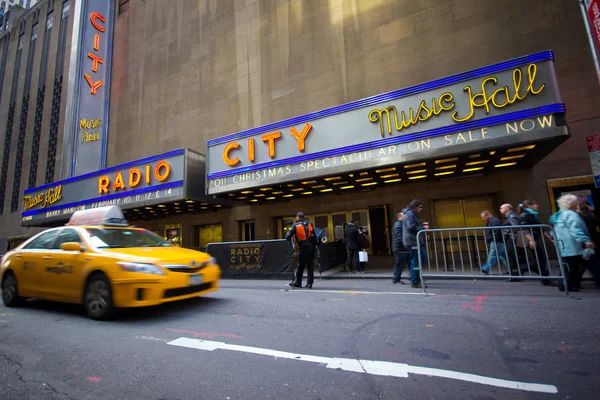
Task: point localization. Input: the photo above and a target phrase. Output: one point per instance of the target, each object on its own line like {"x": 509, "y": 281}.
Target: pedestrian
{"x": 306, "y": 238}
{"x": 365, "y": 243}
{"x": 511, "y": 237}
{"x": 497, "y": 250}
{"x": 353, "y": 246}
{"x": 401, "y": 253}
{"x": 593, "y": 227}
{"x": 535, "y": 249}
{"x": 572, "y": 238}
{"x": 411, "y": 226}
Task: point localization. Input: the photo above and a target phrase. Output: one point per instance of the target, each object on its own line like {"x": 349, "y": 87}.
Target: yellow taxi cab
{"x": 98, "y": 260}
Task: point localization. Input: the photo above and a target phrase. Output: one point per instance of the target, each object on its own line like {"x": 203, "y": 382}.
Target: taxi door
{"x": 64, "y": 269}
{"x": 31, "y": 260}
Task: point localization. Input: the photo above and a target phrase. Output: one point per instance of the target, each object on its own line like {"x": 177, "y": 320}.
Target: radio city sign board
{"x": 152, "y": 180}
{"x": 507, "y": 102}
{"x": 87, "y": 130}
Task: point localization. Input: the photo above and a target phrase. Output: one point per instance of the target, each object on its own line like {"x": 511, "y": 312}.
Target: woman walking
{"x": 572, "y": 238}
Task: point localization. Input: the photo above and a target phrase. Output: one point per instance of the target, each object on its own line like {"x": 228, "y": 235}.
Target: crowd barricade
{"x": 462, "y": 252}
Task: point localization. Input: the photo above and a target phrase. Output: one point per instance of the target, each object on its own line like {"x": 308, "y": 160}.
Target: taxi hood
{"x": 161, "y": 255}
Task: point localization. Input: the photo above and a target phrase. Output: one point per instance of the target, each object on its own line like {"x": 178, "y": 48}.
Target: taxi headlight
{"x": 212, "y": 261}
{"x": 141, "y": 268}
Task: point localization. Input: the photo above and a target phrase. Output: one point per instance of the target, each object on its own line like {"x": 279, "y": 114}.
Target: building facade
{"x": 253, "y": 106}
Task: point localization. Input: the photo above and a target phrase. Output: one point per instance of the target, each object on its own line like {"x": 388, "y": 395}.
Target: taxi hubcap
{"x": 9, "y": 290}
{"x": 98, "y": 297}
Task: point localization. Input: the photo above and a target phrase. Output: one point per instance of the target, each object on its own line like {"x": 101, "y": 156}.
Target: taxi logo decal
{"x": 60, "y": 269}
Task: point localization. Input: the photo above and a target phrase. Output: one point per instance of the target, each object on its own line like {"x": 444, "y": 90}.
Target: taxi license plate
{"x": 195, "y": 279}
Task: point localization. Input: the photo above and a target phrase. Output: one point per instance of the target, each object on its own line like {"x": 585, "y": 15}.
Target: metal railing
{"x": 526, "y": 252}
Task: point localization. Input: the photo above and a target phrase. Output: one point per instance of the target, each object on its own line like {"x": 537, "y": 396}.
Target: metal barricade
{"x": 527, "y": 252}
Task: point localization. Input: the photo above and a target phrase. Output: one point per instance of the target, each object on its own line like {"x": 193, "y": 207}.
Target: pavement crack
{"x": 25, "y": 381}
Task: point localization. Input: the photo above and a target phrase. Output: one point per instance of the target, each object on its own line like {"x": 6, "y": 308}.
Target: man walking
{"x": 402, "y": 253}
{"x": 305, "y": 236}
{"x": 511, "y": 236}
{"x": 353, "y": 246}
{"x": 411, "y": 226}
{"x": 495, "y": 242}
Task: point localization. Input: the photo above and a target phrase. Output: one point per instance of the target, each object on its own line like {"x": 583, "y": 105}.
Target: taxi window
{"x": 119, "y": 238}
{"x": 66, "y": 236}
{"x": 44, "y": 241}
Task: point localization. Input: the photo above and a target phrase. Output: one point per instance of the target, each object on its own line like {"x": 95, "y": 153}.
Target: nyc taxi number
{"x": 195, "y": 279}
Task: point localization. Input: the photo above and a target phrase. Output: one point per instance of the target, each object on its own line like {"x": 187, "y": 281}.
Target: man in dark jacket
{"x": 352, "y": 245}
{"x": 495, "y": 242}
{"x": 402, "y": 253}
{"x": 511, "y": 236}
{"x": 305, "y": 236}
{"x": 410, "y": 227}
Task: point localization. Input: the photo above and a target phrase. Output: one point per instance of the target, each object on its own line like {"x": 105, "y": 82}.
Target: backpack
{"x": 306, "y": 234}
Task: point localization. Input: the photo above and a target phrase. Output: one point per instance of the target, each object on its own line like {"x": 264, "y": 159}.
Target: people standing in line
{"x": 401, "y": 253}
{"x": 593, "y": 227}
{"x": 411, "y": 226}
{"x": 306, "y": 238}
{"x": 535, "y": 249}
{"x": 572, "y": 238}
{"x": 353, "y": 246}
{"x": 511, "y": 236}
{"x": 497, "y": 250}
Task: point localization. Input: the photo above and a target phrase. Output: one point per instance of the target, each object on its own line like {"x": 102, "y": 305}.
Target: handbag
{"x": 363, "y": 256}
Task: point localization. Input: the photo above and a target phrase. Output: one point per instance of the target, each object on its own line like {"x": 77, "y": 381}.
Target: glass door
{"x": 248, "y": 233}
{"x": 338, "y": 224}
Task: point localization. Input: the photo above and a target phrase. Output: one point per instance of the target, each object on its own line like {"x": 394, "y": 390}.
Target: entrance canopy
{"x": 505, "y": 115}
{"x": 153, "y": 187}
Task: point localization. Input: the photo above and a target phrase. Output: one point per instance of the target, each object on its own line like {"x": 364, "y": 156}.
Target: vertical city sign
{"x": 86, "y": 127}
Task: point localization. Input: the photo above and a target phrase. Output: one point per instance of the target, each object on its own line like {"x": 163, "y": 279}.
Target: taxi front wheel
{"x": 10, "y": 293}
{"x": 98, "y": 297}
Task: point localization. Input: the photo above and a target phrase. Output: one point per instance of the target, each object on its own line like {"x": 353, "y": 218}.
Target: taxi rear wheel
{"x": 10, "y": 292}
{"x": 98, "y": 297}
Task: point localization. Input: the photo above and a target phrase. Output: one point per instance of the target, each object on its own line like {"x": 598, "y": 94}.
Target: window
{"x": 34, "y": 31}
{"x": 66, "y": 236}
{"x": 49, "y": 21}
{"x": 120, "y": 238}
{"x": 21, "y": 41}
{"x": 65, "y": 9}
{"x": 43, "y": 241}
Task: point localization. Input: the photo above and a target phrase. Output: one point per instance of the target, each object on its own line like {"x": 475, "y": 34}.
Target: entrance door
{"x": 210, "y": 234}
{"x": 462, "y": 213}
{"x": 379, "y": 233}
{"x": 248, "y": 231}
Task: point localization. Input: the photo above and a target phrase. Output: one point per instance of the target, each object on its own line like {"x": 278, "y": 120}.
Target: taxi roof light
{"x": 107, "y": 216}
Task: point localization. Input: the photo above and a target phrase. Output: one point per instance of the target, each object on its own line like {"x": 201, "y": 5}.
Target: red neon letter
{"x": 270, "y": 137}
{"x": 301, "y": 136}
{"x": 96, "y": 42}
{"x": 95, "y": 61}
{"x": 97, "y": 16}
{"x": 229, "y": 161}
{"x": 93, "y": 85}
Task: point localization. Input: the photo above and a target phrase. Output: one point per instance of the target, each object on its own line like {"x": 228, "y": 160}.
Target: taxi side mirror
{"x": 72, "y": 246}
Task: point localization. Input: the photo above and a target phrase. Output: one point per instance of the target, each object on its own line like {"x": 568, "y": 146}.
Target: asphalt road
{"x": 344, "y": 339}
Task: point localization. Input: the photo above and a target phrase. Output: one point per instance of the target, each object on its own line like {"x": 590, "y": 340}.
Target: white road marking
{"x": 353, "y": 292}
{"x": 382, "y": 368}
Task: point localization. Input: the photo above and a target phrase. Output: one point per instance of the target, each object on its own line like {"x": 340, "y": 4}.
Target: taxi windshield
{"x": 119, "y": 238}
